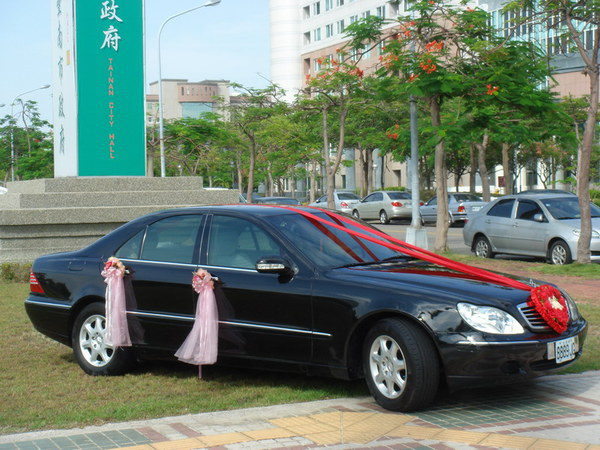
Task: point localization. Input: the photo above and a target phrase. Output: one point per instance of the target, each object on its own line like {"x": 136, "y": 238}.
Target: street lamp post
{"x": 12, "y": 129}
{"x": 161, "y": 132}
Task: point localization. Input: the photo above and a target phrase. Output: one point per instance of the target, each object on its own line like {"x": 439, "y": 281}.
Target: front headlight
{"x": 489, "y": 319}
{"x": 595, "y": 234}
{"x": 573, "y": 310}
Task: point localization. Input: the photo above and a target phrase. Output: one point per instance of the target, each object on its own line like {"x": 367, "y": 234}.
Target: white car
{"x": 344, "y": 201}
{"x": 3, "y": 190}
{"x": 385, "y": 206}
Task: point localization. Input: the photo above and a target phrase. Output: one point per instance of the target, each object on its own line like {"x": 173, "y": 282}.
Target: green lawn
{"x": 41, "y": 385}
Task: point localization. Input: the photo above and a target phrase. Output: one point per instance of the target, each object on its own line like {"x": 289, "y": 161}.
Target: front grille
{"x": 533, "y": 318}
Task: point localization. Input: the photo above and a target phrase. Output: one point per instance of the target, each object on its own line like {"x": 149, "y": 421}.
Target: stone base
{"x": 63, "y": 214}
{"x": 417, "y": 236}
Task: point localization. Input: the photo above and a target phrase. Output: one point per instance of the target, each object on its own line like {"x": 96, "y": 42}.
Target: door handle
{"x": 76, "y": 266}
{"x": 488, "y": 221}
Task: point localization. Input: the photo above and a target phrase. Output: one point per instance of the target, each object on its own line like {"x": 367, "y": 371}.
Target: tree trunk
{"x": 293, "y": 186}
{"x": 472, "y": 169}
{"x": 369, "y": 170}
{"x": 240, "y": 175}
{"x": 313, "y": 182}
{"x": 584, "y": 157}
{"x": 483, "y": 172}
{"x": 150, "y": 161}
{"x": 270, "y": 181}
{"x": 506, "y": 169}
{"x": 441, "y": 181}
{"x": 251, "y": 171}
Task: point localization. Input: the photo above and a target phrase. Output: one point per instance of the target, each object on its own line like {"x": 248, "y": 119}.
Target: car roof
{"x": 537, "y": 196}
{"x": 248, "y": 208}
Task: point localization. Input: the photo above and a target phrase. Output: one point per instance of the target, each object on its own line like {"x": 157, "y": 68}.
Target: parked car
{"x": 344, "y": 201}
{"x": 3, "y": 190}
{"x": 546, "y": 191}
{"x": 544, "y": 225}
{"x": 277, "y": 201}
{"x": 461, "y": 206}
{"x": 296, "y": 295}
{"x": 385, "y": 206}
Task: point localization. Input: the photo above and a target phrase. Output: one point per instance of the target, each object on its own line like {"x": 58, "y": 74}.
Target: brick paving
{"x": 555, "y": 412}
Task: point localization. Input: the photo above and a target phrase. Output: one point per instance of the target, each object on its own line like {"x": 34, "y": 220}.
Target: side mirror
{"x": 539, "y": 218}
{"x": 274, "y": 265}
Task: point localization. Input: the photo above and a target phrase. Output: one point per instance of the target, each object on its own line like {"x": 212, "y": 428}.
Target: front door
{"x": 262, "y": 316}
{"x": 529, "y": 236}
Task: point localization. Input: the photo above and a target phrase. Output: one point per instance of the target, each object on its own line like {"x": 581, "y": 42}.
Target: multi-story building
{"x": 182, "y": 98}
{"x": 305, "y": 32}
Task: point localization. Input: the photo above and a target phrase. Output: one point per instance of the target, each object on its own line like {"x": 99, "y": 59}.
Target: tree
{"x": 571, "y": 19}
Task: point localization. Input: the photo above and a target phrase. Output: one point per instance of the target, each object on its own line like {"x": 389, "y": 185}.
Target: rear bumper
{"x": 478, "y": 363}
{"x": 401, "y": 213}
{"x": 50, "y": 317}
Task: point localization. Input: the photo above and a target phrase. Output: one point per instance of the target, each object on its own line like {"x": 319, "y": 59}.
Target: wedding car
{"x": 296, "y": 294}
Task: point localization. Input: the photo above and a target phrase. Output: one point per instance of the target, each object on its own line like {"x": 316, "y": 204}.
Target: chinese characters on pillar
{"x": 111, "y": 40}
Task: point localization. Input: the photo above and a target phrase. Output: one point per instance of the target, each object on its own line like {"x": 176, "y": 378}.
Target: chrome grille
{"x": 532, "y": 317}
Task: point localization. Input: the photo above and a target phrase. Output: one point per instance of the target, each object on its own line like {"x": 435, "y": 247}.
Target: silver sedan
{"x": 544, "y": 225}
{"x": 460, "y": 206}
{"x": 344, "y": 201}
{"x": 385, "y": 206}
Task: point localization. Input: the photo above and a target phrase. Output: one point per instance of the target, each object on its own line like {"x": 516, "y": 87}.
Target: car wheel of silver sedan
{"x": 400, "y": 365}
{"x": 355, "y": 214}
{"x": 482, "y": 247}
{"x": 94, "y": 355}
{"x": 560, "y": 253}
{"x": 383, "y": 217}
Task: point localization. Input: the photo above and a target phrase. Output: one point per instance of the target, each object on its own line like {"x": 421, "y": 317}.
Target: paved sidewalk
{"x": 555, "y": 412}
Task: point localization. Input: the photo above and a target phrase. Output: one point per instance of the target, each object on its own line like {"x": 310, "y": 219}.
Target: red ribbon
{"x": 556, "y": 318}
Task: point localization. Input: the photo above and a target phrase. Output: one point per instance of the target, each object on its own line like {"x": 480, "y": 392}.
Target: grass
{"x": 41, "y": 385}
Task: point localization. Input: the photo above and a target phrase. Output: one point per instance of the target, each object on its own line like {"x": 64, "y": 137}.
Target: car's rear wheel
{"x": 383, "y": 217}
{"x": 400, "y": 365}
{"x": 92, "y": 352}
{"x": 560, "y": 253}
{"x": 355, "y": 214}
{"x": 482, "y": 247}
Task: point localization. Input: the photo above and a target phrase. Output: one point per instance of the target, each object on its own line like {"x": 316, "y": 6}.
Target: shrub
{"x": 15, "y": 272}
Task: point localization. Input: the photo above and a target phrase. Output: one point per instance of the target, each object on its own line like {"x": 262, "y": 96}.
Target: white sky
{"x": 227, "y": 41}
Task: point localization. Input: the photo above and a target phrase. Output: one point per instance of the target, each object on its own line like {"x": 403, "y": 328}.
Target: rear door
{"x": 262, "y": 316}
{"x": 498, "y": 225}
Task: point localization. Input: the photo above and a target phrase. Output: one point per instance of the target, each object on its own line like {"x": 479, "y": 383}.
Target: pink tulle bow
{"x": 200, "y": 347}
{"x": 117, "y": 331}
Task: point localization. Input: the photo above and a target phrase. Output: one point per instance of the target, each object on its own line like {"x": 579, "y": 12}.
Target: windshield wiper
{"x": 392, "y": 258}
{"x": 370, "y": 263}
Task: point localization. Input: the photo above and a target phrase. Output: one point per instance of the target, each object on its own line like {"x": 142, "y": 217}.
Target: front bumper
{"x": 477, "y": 360}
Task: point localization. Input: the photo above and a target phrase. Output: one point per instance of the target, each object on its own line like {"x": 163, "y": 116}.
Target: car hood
{"x": 576, "y": 223}
{"x": 429, "y": 280}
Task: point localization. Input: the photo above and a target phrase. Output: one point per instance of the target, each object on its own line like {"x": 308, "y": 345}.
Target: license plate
{"x": 564, "y": 350}
{"x": 475, "y": 208}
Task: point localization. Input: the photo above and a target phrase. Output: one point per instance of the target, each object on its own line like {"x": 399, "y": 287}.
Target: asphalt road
{"x": 455, "y": 236}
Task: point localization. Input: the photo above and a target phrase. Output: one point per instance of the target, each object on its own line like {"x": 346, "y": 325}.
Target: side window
{"x": 369, "y": 198}
{"x": 377, "y": 197}
{"x": 236, "y": 242}
{"x": 172, "y": 239}
{"x": 432, "y": 202}
{"x": 527, "y": 209}
{"x": 131, "y": 248}
{"x": 502, "y": 209}
{"x": 322, "y": 199}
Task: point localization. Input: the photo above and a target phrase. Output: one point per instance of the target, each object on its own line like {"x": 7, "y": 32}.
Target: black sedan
{"x": 296, "y": 295}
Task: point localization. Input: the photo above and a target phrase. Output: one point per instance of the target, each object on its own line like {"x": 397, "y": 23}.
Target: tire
{"x": 423, "y": 223}
{"x": 401, "y": 366}
{"x": 560, "y": 253}
{"x": 482, "y": 247}
{"x": 93, "y": 355}
{"x": 356, "y": 214}
{"x": 383, "y": 217}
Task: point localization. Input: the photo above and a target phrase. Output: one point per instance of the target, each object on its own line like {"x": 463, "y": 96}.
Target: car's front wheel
{"x": 560, "y": 253}
{"x": 91, "y": 350}
{"x": 482, "y": 247}
{"x": 383, "y": 217}
{"x": 401, "y": 365}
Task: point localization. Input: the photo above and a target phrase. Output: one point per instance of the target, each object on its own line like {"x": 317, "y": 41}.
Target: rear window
{"x": 399, "y": 195}
{"x": 348, "y": 196}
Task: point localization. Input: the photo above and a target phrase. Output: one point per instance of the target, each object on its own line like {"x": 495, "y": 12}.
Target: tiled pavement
{"x": 555, "y": 412}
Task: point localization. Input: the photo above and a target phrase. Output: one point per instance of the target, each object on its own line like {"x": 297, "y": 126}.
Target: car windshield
{"x": 467, "y": 198}
{"x": 326, "y": 246}
{"x": 398, "y": 195}
{"x": 564, "y": 208}
{"x": 347, "y": 196}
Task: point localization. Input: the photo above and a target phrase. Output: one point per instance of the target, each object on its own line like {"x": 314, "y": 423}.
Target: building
{"x": 304, "y": 32}
{"x": 183, "y": 99}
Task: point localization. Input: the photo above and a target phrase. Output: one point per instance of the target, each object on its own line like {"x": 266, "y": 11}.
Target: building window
{"x": 317, "y": 34}
{"x": 339, "y": 2}
{"x": 318, "y": 65}
{"x": 353, "y": 19}
{"x": 306, "y": 10}
{"x": 394, "y": 9}
{"x": 307, "y": 38}
{"x": 328, "y": 5}
{"x": 366, "y": 14}
{"x": 340, "y": 26}
{"x": 316, "y": 8}
{"x": 329, "y": 30}
{"x": 381, "y": 12}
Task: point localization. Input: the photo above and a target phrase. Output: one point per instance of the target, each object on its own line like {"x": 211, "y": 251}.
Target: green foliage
{"x": 15, "y": 272}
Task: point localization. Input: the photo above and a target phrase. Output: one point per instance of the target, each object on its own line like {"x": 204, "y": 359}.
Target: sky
{"x": 227, "y": 41}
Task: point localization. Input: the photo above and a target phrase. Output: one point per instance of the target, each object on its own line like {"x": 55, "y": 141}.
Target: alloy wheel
{"x": 388, "y": 366}
{"x": 482, "y": 248}
{"x": 559, "y": 255}
{"x": 92, "y": 341}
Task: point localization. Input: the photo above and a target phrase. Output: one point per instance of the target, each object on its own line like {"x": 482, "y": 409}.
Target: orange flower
{"x": 412, "y": 77}
{"x": 434, "y": 46}
{"x": 491, "y": 90}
